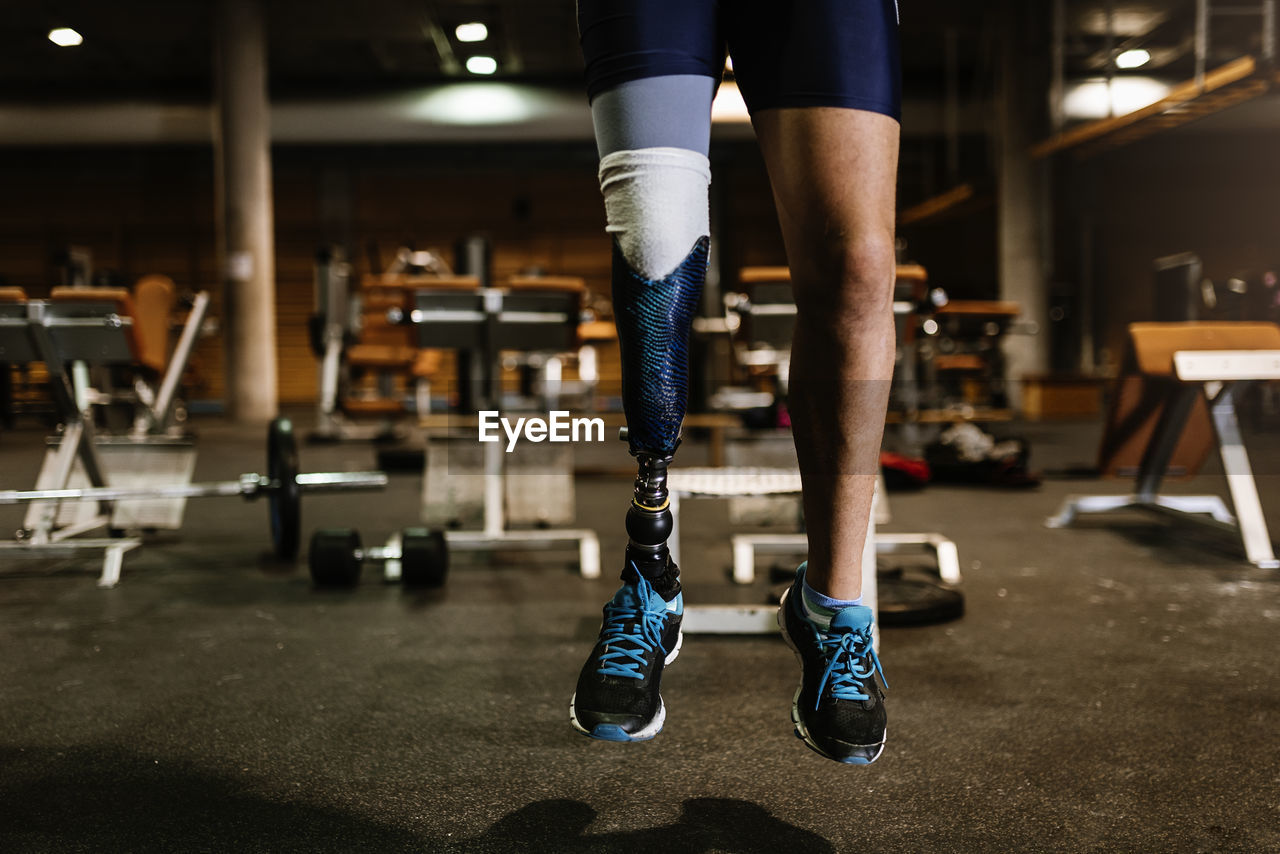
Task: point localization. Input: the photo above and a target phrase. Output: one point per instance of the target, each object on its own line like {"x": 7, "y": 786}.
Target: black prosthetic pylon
{"x": 649, "y": 525}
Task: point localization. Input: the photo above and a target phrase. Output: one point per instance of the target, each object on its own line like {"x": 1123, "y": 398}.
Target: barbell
{"x": 283, "y": 485}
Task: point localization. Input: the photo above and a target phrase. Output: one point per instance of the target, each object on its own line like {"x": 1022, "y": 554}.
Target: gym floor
{"x": 1110, "y": 688}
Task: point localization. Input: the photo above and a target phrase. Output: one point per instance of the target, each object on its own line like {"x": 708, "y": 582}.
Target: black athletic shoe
{"x": 839, "y": 707}
{"x": 617, "y": 697}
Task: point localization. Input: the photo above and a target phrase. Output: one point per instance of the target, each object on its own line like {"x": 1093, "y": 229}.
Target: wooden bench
{"x": 1175, "y": 394}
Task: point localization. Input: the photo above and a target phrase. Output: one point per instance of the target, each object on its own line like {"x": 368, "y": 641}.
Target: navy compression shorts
{"x": 786, "y": 53}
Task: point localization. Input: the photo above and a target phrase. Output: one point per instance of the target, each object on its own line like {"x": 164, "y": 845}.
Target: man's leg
{"x": 833, "y": 172}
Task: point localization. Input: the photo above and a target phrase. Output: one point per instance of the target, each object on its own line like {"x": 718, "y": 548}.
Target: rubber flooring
{"x": 1110, "y": 688}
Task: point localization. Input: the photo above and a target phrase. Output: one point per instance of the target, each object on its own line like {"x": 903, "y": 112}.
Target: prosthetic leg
{"x": 656, "y": 202}
{"x": 654, "y": 319}
{"x": 617, "y": 697}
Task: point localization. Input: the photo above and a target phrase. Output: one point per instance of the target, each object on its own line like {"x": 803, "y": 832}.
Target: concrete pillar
{"x": 246, "y": 239}
{"x": 1023, "y": 219}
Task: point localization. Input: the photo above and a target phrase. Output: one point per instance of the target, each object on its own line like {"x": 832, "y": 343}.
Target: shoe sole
{"x": 613, "y": 732}
{"x": 871, "y": 751}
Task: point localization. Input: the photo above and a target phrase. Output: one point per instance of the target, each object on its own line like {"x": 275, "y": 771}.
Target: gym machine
{"x": 336, "y": 328}
{"x": 100, "y": 332}
{"x": 282, "y": 484}
{"x": 79, "y": 332}
{"x": 156, "y": 369}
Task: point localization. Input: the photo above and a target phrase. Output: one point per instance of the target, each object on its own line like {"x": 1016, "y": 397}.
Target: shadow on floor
{"x": 1174, "y": 543}
{"x": 705, "y": 824}
{"x": 107, "y": 799}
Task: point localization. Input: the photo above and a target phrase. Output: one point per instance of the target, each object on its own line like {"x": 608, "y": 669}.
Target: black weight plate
{"x": 915, "y": 602}
{"x": 782, "y": 573}
{"x": 315, "y": 334}
{"x": 333, "y": 557}
{"x": 401, "y": 459}
{"x": 424, "y": 557}
{"x": 284, "y": 499}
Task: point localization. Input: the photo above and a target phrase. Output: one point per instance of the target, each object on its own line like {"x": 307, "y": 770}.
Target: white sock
{"x": 657, "y": 205}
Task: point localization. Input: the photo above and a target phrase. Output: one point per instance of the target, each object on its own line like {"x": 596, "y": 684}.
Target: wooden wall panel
{"x": 152, "y": 211}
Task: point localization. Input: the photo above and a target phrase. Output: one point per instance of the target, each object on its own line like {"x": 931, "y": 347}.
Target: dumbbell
{"x": 415, "y": 557}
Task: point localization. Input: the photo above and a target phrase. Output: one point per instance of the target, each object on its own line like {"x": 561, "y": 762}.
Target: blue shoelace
{"x": 851, "y": 659}
{"x": 630, "y": 631}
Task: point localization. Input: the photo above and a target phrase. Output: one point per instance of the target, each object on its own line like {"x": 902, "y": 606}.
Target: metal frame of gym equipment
{"x": 484, "y": 321}
{"x": 494, "y": 535}
{"x": 739, "y": 482}
{"x": 156, "y": 447}
{"x": 95, "y": 332}
{"x": 337, "y": 317}
{"x": 156, "y": 403}
{"x": 283, "y": 484}
{"x": 79, "y": 327}
{"x": 1203, "y": 361}
{"x": 735, "y": 483}
{"x": 27, "y": 334}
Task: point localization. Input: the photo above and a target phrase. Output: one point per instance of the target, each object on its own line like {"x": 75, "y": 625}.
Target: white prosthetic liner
{"x": 656, "y": 202}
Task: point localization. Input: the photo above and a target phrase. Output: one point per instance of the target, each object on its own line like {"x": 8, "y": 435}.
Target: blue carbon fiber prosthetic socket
{"x": 653, "y": 318}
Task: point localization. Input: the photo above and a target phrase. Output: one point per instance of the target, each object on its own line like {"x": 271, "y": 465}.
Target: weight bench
{"x": 761, "y": 318}
{"x": 532, "y": 314}
{"x": 98, "y": 327}
{"x": 1175, "y": 394}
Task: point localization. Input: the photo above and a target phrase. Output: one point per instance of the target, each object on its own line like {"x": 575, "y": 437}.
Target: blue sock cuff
{"x": 823, "y": 601}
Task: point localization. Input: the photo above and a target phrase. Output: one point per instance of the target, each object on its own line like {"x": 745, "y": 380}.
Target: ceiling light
{"x": 1098, "y": 98}
{"x": 1135, "y": 58}
{"x": 472, "y": 32}
{"x": 65, "y": 37}
{"x": 482, "y": 65}
{"x": 487, "y": 103}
